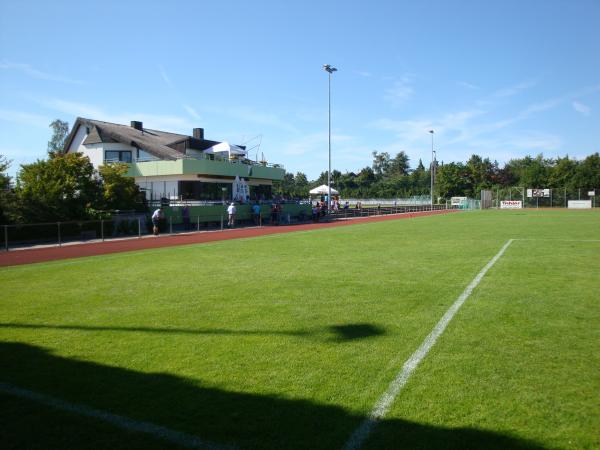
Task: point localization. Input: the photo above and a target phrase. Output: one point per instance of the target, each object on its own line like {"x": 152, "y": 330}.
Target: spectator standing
{"x": 256, "y": 213}
{"x": 185, "y": 214}
{"x": 156, "y": 218}
{"x": 231, "y": 210}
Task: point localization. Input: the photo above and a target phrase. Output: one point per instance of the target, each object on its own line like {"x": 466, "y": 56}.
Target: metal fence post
{"x": 170, "y": 224}
{"x": 139, "y": 228}
{"x": 59, "y": 241}
{"x": 198, "y": 223}
{"x": 102, "y": 229}
{"x": 6, "y": 237}
{"x": 221, "y": 222}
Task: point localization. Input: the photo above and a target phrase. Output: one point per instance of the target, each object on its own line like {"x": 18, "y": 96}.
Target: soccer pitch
{"x": 290, "y": 341}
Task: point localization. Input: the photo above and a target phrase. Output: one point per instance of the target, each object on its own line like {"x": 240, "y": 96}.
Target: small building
{"x": 174, "y": 166}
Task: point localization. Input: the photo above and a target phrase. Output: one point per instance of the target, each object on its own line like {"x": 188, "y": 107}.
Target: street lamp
{"x": 431, "y": 169}
{"x": 329, "y": 69}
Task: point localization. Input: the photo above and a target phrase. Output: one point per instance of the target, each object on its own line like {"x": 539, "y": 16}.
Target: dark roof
{"x": 162, "y": 144}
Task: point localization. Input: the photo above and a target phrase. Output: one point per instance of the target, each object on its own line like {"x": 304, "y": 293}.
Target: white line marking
{"x": 176, "y": 437}
{"x": 557, "y": 240}
{"x": 385, "y": 401}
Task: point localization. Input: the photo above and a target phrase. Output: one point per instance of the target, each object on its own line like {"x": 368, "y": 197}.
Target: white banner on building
{"x": 511, "y": 204}
{"x": 580, "y": 204}
{"x": 240, "y": 191}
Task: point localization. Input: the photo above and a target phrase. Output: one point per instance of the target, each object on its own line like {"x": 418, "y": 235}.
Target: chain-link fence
{"x": 64, "y": 233}
{"x": 138, "y": 226}
{"x": 544, "y": 198}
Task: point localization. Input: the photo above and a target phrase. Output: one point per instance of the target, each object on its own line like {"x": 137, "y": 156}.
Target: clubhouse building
{"x": 175, "y": 166}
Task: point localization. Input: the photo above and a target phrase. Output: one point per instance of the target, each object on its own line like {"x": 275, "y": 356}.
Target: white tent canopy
{"x": 226, "y": 147}
{"x": 323, "y": 190}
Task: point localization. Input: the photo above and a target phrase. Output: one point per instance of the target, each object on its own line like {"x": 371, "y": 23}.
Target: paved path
{"x": 34, "y": 255}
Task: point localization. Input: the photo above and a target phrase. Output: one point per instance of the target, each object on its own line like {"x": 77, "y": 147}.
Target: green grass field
{"x": 287, "y": 341}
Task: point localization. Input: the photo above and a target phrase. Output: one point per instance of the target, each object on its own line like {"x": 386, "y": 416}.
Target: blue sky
{"x": 501, "y": 79}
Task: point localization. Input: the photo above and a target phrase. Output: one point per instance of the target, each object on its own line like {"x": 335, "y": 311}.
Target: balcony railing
{"x": 243, "y": 161}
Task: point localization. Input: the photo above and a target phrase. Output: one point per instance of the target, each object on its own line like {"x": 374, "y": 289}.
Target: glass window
{"x": 117, "y": 156}
{"x": 198, "y": 190}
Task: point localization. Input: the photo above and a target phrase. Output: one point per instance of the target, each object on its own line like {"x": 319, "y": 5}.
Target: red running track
{"x": 35, "y": 255}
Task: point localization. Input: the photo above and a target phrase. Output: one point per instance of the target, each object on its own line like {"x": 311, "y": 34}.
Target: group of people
{"x": 256, "y": 219}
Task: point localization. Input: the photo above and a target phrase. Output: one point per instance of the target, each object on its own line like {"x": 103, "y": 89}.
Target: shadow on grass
{"x": 248, "y": 421}
{"x": 341, "y": 333}
{"x": 355, "y": 331}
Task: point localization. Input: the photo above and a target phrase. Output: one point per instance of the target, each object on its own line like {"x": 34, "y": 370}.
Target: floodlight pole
{"x": 329, "y": 71}
{"x": 431, "y": 169}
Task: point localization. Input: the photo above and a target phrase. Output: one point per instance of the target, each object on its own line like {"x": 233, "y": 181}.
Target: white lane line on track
{"x": 176, "y": 437}
{"x": 385, "y": 401}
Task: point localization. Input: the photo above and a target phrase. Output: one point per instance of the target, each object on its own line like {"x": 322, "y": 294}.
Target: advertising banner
{"x": 538, "y": 193}
{"x": 580, "y": 204}
{"x": 511, "y": 204}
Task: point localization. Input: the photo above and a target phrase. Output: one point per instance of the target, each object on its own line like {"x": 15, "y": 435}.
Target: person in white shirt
{"x": 231, "y": 211}
{"x": 156, "y": 216}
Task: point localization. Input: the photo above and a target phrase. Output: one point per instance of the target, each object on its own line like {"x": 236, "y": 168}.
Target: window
{"x": 117, "y": 156}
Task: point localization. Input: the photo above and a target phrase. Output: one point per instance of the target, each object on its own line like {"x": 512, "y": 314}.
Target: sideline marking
{"x": 385, "y": 401}
{"x": 176, "y": 437}
{"x": 557, "y": 240}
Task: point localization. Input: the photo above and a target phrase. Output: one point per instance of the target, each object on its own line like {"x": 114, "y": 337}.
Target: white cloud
{"x": 581, "y": 108}
{"x": 469, "y": 85}
{"x": 32, "y": 72}
{"x": 400, "y": 92}
{"x": 164, "y": 76}
{"x": 163, "y": 122}
{"x": 513, "y": 90}
{"x": 363, "y": 73}
{"x": 192, "y": 112}
{"x": 251, "y": 115}
{"x": 24, "y": 118}
{"x": 411, "y": 131}
{"x": 313, "y": 144}
{"x": 534, "y": 140}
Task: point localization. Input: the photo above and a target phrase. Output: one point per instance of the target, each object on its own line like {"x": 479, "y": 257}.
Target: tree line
{"x": 389, "y": 177}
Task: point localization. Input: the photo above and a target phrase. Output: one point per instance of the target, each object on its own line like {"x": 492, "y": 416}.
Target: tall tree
{"x": 381, "y": 163}
{"x": 480, "y": 174}
{"x": 60, "y": 188}
{"x": 56, "y": 144}
{"x": 6, "y": 195}
{"x": 420, "y": 181}
{"x": 452, "y": 181}
{"x": 399, "y": 166}
{"x": 531, "y": 172}
{"x": 118, "y": 190}
{"x": 301, "y": 185}
{"x": 588, "y": 173}
{"x": 562, "y": 175}
{"x": 285, "y": 187}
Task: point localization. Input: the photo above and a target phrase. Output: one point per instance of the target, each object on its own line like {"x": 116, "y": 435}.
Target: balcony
{"x": 205, "y": 165}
